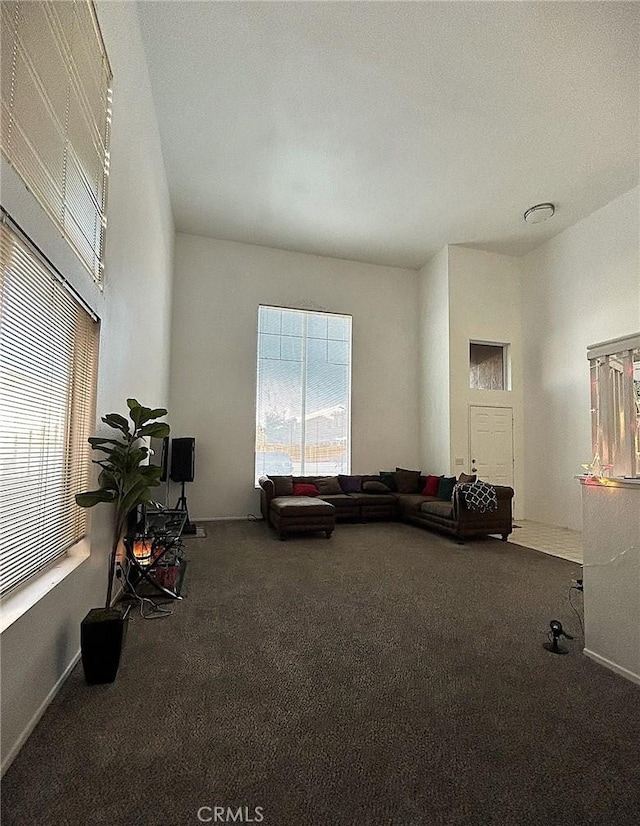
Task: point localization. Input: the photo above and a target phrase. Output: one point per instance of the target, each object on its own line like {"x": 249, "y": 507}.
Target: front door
{"x": 491, "y": 444}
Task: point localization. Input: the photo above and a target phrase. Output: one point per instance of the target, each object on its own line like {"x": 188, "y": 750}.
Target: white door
{"x": 491, "y": 444}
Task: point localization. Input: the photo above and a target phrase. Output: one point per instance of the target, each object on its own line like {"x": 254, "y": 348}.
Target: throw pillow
{"x": 407, "y": 481}
{"x": 349, "y": 484}
{"x": 431, "y": 486}
{"x": 328, "y": 484}
{"x": 375, "y": 487}
{"x": 305, "y": 489}
{"x": 388, "y": 478}
{"x": 282, "y": 485}
{"x": 465, "y": 477}
{"x": 446, "y": 485}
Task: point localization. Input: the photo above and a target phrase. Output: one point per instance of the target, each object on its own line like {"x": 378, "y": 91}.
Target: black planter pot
{"x": 102, "y": 634}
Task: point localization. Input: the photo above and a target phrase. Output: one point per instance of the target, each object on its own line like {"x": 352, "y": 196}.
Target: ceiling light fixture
{"x": 539, "y": 213}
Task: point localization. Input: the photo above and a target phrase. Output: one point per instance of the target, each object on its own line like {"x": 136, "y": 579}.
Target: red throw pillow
{"x": 304, "y": 489}
{"x": 431, "y": 486}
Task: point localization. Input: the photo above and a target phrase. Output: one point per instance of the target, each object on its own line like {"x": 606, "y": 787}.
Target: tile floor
{"x": 548, "y": 538}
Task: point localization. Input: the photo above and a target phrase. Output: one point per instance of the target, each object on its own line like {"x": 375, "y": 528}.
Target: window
{"x": 56, "y": 110}
{"x": 303, "y": 420}
{"x": 488, "y": 366}
{"x": 615, "y": 404}
{"x": 48, "y": 361}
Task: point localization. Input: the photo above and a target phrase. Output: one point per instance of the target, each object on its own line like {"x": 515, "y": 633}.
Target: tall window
{"x": 303, "y": 420}
{"x": 48, "y": 361}
{"x": 55, "y": 118}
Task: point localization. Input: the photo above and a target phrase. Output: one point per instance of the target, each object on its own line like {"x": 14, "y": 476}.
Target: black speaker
{"x": 183, "y": 453}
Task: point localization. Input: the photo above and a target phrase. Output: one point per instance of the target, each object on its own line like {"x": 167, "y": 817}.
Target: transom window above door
{"x": 489, "y": 366}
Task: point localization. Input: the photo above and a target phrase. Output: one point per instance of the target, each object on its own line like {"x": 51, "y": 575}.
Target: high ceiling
{"x": 380, "y": 131}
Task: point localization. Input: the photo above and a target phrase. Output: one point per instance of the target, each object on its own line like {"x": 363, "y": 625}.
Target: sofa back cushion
{"x": 374, "y": 487}
{"x": 328, "y": 484}
{"x": 305, "y": 489}
{"x": 407, "y": 481}
{"x": 282, "y": 485}
{"x": 446, "y": 485}
{"x": 431, "y": 486}
{"x": 388, "y": 478}
{"x": 349, "y": 484}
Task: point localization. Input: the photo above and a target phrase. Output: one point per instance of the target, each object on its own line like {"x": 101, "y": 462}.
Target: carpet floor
{"x": 384, "y": 676}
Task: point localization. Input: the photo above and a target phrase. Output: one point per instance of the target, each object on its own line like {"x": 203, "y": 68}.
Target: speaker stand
{"x": 181, "y": 505}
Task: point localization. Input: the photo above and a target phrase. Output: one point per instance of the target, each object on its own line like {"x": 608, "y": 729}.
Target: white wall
{"x": 218, "y": 287}
{"x": 39, "y": 648}
{"x": 485, "y": 305}
{"x": 581, "y": 287}
{"x": 435, "y": 429}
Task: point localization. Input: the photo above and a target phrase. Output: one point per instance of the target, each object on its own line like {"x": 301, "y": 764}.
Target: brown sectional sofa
{"x": 286, "y": 512}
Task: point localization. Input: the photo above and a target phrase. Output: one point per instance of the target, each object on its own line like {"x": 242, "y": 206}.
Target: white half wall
{"x": 218, "y": 287}
{"x": 612, "y": 575}
{"x": 581, "y": 287}
{"x": 40, "y": 647}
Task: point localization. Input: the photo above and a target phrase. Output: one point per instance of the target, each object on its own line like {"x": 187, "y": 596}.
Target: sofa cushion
{"x": 339, "y": 500}
{"x": 407, "y": 481}
{"x": 388, "y": 478}
{"x": 349, "y": 484}
{"x": 438, "y": 508}
{"x": 431, "y": 486}
{"x": 305, "y": 489}
{"x": 282, "y": 485}
{"x": 410, "y": 501}
{"x": 465, "y": 477}
{"x": 446, "y": 484}
{"x": 300, "y": 506}
{"x": 374, "y": 498}
{"x": 328, "y": 484}
{"x": 375, "y": 487}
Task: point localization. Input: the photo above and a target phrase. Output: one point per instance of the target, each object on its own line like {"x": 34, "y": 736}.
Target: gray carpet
{"x": 385, "y": 676}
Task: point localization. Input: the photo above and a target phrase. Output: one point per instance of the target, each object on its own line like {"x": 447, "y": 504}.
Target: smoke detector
{"x": 539, "y": 213}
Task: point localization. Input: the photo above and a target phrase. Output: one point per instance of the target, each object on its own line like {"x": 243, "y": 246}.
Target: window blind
{"x": 303, "y": 409}
{"x": 48, "y": 363}
{"x": 56, "y": 113}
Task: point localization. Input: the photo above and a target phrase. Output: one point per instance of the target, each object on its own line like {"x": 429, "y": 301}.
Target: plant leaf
{"x": 118, "y": 422}
{"x": 159, "y": 429}
{"x": 94, "y": 497}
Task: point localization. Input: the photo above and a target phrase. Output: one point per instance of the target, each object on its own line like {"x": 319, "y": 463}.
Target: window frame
{"x": 505, "y": 349}
{"x": 304, "y": 445}
{"x": 77, "y": 411}
{"x": 615, "y": 406}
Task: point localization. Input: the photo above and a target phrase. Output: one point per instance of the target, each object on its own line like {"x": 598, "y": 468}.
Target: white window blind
{"x": 303, "y": 421}
{"x": 48, "y": 362}
{"x": 56, "y": 112}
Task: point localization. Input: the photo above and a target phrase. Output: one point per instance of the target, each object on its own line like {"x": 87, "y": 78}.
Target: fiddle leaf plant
{"x": 123, "y": 480}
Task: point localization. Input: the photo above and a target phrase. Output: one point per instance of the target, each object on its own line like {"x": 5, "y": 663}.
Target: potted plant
{"x": 126, "y": 483}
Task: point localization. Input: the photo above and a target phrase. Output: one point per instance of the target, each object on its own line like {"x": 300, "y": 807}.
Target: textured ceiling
{"x": 380, "y": 131}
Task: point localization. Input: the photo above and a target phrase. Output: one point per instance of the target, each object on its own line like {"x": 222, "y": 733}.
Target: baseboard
{"x": 13, "y": 753}
{"x": 221, "y": 519}
{"x": 624, "y": 672}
